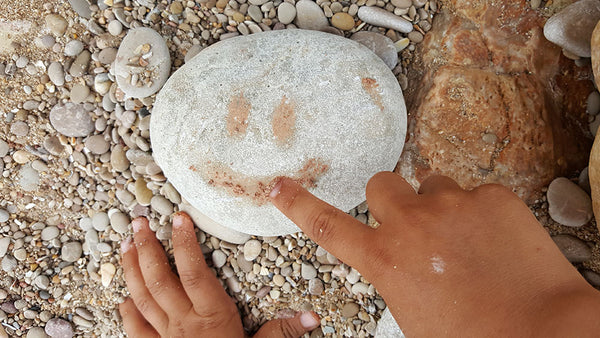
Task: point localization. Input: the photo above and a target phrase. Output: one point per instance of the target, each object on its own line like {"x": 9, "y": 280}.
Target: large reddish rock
{"x": 495, "y": 102}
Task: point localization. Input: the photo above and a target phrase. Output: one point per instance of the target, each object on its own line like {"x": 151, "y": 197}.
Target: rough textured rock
{"x": 572, "y": 27}
{"x": 496, "y": 102}
{"x": 273, "y": 112}
{"x": 387, "y": 326}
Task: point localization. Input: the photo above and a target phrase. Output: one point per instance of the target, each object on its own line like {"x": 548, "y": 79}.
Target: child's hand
{"x": 191, "y": 305}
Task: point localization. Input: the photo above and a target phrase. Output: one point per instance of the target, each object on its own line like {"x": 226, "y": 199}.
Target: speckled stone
{"x": 387, "y": 326}
{"x": 256, "y": 121}
{"x": 71, "y": 120}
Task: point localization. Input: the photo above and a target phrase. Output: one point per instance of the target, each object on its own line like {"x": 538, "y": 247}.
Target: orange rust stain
{"x": 257, "y": 189}
{"x": 284, "y": 121}
{"x": 370, "y": 86}
{"x": 237, "y": 118}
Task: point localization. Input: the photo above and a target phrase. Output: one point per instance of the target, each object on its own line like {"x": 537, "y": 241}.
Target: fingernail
{"x": 276, "y": 189}
{"x": 136, "y": 224}
{"x": 126, "y": 245}
{"x": 308, "y": 320}
{"x": 177, "y": 220}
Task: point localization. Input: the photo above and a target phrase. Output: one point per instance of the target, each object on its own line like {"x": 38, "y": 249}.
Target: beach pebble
{"x": 572, "y": 27}
{"x": 387, "y": 327}
{"x": 118, "y": 159}
{"x": 97, "y": 144}
{"x": 380, "y": 45}
{"x": 574, "y": 249}
{"x": 315, "y": 287}
{"x": 308, "y": 271}
{"x": 115, "y": 27}
{"x": 9, "y": 263}
{"x": 82, "y": 7}
{"x": 79, "y": 66}
{"x": 568, "y": 204}
{"x": 343, "y": 21}
{"x": 286, "y": 13}
{"x": 234, "y": 89}
{"x": 29, "y": 178}
{"x": 107, "y": 55}
{"x": 107, "y": 272}
{"x": 159, "y": 63}
{"x": 592, "y": 277}
{"x": 73, "y": 48}
{"x": 3, "y": 148}
{"x": 71, "y": 251}
{"x": 41, "y": 282}
{"x": 119, "y": 222}
{"x": 380, "y": 17}
{"x": 59, "y": 328}
{"x": 71, "y": 120}
{"x": 79, "y": 93}
{"x": 50, "y": 233}
{"x": 193, "y": 51}
{"x": 56, "y": 73}
{"x": 4, "y": 243}
{"x": 162, "y": 205}
{"x": 56, "y": 23}
{"x": 100, "y": 221}
{"x": 19, "y": 128}
{"x": 350, "y": 310}
{"x": 309, "y": 15}
{"x": 252, "y": 249}
{"x": 219, "y": 258}
{"x": 143, "y": 195}
{"x": 36, "y": 332}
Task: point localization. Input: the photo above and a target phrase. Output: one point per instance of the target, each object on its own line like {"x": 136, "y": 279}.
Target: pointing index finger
{"x": 338, "y": 232}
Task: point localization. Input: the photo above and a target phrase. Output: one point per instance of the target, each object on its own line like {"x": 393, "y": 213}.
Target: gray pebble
{"x": 115, "y": 27}
{"x": 19, "y": 128}
{"x": 79, "y": 93}
{"x": 79, "y": 66}
{"x": 53, "y": 146}
{"x": 119, "y": 222}
{"x": 107, "y": 55}
{"x": 22, "y": 62}
{"x": 73, "y": 48}
{"x": 3, "y": 148}
{"x": 286, "y": 13}
{"x": 71, "y": 120}
{"x": 100, "y": 221}
{"x": 162, "y": 205}
{"x": 85, "y": 223}
{"x": 20, "y": 254}
{"x": 50, "y": 233}
{"x": 315, "y": 287}
{"x": 71, "y": 251}
{"x": 3, "y": 294}
{"x": 310, "y": 16}
{"x": 97, "y": 144}
{"x": 350, "y": 310}
{"x": 568, "y": 204}
{"x": 36, "y": 332}
{"x": 104, "y": 247}
{"x": 84, "y": 313}
{"x": 380, "y": 17}
{"x": 42, "y": 282}
{"x": 56, "y": 73}
{"x": 252, "y": 249}
{"x": 9, "y": 263}
{"x": 47, "y": 41}
{"x": 593, "y": 103}
{"x": 219, "y": 258}
{"x": 308, "y": 271}
{"x": 29, "y": 178}
{"x": 4, "y": 215}
{"x": 4, "y": 243}
{"x": 59, "y": 328}
{"x": 56, "y": 23}
{"x": 574, "y": 249}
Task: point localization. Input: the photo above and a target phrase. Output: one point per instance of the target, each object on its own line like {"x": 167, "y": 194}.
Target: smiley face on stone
{"x": 311, "y": 106}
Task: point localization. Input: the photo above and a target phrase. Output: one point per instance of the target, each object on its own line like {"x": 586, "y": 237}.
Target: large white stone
{"x": 248, "y": 110}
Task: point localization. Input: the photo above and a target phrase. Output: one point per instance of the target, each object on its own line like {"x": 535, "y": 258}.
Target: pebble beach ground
{"x": 69, "y": 190}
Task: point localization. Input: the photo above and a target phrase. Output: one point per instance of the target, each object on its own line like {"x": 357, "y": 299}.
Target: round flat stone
{"x": 71, "y": 120}
{"x": 249, "y": 110}
{"x": 568, "y": 204}
{"x": 159, "y": 62}
{"x": 380, "y": 45}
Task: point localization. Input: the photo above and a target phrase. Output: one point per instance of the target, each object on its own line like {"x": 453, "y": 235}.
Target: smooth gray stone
{"x": 249, "y": 110}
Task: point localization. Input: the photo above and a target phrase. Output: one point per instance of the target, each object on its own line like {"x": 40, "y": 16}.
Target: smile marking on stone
{"x": 257, "y": 189}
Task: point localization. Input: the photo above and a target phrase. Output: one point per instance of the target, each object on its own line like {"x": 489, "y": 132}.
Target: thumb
{"x": 295, "y": 327}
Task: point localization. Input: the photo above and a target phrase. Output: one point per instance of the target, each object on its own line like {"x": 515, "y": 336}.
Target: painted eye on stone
{"x": 283, "y": 122}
